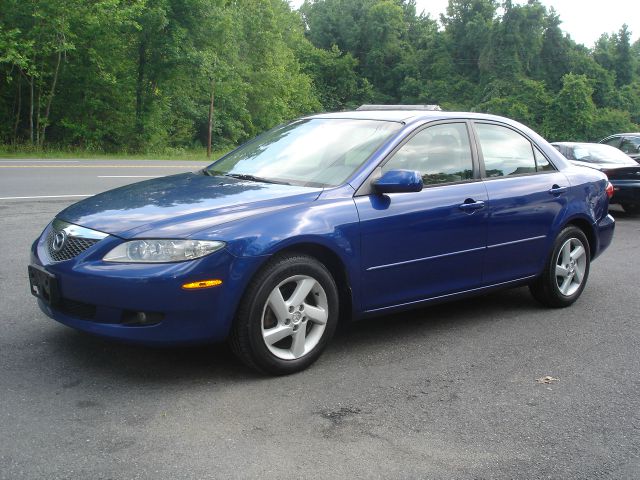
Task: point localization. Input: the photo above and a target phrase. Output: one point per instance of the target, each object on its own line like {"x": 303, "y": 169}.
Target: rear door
{"x": 425, "y": 244}
{"x": 526, "y": 195}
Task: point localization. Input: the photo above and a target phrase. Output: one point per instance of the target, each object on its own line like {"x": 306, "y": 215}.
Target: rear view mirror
{"x": 398, "y": 181}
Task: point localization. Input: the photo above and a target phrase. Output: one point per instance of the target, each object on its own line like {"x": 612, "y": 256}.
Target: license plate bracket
{"x": 44, "y": 285}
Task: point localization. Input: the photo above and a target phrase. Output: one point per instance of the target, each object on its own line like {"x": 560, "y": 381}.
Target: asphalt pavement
{"x": 77, "y": 178}
{"x": 449, "y": 391}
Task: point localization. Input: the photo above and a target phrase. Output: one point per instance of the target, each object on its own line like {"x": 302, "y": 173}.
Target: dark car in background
{"x": 623, "y": 172}
{"x": 629, "y": 143}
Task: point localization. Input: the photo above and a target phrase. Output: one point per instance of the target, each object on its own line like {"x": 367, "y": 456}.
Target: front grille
{"x": 73, "y": 246}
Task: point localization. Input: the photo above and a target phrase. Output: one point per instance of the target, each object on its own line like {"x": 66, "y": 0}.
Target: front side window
{"x": 442, "y": 154}
{"x": 505, "y": 151}
{"x": 318, "y": 152}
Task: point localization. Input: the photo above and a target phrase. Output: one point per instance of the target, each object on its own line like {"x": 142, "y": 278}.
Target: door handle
{"x": 557, "y": 190}
{"x": 471, "y": 204}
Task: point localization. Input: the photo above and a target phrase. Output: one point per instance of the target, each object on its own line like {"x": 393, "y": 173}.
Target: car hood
{"x": 179, "y": 206}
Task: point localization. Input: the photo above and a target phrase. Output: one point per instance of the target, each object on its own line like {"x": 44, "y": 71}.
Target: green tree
{"x": 170, "y": 74}
{"x": 524, "y": 100}
{"x": 572, "y": 111}
{"x": 607, "y": 121}
{"x": 36, "y": 39}
{"x": 623, "y": 63}
{"x": 468, "y": 25}
{"x": 334, "y": 77}
{"x": 604, "y": 51}
{"x": 554, "y": 52}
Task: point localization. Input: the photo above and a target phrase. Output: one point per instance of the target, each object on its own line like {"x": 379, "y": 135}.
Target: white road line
{"x": 41, "y": 165}
{"x": 128, "y": 176}
{"x": 46, "y": 196}
{"x": 15, "y": 160}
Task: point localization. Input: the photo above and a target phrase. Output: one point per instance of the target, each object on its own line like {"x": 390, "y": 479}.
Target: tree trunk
{"x": 45, "y": 121}
{"x": 140, "y": 87}
{"x": 31, "y": 100}
{"x": 18, "y": 110}
{"x": 210, "y": 123}
{"x": 38, "y": 103}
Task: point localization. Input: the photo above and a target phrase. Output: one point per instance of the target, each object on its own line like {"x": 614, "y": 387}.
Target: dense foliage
{"x": 141, "y": 75}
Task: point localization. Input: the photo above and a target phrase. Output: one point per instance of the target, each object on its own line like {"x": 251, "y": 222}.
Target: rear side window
{"x": 505, "y": 151}
{"x": 542, "y": 164}
{"x": 442, "y": 154}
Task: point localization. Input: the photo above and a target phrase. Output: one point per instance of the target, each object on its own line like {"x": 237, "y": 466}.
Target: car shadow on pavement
{"x": 145, "y": 363}
{"x": 100, "y": 357}
{"x": 448, "y": 316}
{"x": 618, "y": 213}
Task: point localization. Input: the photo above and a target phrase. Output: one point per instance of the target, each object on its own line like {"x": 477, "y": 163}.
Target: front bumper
{"x": 101, "y": 298}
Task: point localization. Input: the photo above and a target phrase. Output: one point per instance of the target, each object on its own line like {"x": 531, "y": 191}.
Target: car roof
{"x": 406, "y": 116}
{"x": 623, "y": 134}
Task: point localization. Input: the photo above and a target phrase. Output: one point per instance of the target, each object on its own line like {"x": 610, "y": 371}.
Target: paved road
{"x": 443, "y": 392}
{"x": 77, "y": 178}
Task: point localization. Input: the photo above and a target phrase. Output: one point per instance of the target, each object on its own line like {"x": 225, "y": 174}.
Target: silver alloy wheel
{"x": 292, "y": 327}
{"x": 571, "y": 265}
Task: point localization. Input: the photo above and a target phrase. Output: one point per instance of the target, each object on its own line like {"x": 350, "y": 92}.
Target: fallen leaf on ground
{"x": 547, "y": 379}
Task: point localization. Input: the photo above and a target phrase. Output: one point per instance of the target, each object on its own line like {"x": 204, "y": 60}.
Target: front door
{"x": 421, "y": 245}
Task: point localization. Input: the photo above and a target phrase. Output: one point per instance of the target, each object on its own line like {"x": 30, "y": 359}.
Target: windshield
{"x": 600, "y": 154}
{"x": 313, "y": 152}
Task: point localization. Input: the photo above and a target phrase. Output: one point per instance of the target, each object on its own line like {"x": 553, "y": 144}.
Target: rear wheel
{"x": 633, "y": 208}
{"x": 566, "y": 272}
{"x": 287, "y": 316}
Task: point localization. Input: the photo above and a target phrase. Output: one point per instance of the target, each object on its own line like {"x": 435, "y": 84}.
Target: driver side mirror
{"x": 398, "y": 181}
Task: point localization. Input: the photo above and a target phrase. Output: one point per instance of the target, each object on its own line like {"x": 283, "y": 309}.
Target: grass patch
{"x": 23, "y": 151}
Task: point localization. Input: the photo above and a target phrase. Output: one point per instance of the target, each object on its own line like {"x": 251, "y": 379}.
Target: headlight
{"x": 161, "y": 251}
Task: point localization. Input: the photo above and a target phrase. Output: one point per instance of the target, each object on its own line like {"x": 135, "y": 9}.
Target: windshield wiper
{"x": 244, "y": 176}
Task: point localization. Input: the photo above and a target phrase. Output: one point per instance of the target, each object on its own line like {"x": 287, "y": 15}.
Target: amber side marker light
{"x": 202, "y": 284}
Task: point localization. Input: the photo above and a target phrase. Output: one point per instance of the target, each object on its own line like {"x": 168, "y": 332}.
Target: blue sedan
{"x": 332, "y": 216}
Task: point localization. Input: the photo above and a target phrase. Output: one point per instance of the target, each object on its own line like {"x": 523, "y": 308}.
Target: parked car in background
{"x": 350, "y": 214}
{"x": 629, "y": 143}
{"x": 622, "y": 171}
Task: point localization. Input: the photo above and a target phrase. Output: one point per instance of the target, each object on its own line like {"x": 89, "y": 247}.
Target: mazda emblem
{"x": 59, "y": 239}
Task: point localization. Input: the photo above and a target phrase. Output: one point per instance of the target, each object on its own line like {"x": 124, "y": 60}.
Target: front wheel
{"x": 566, "y": 272}
{"x": 287, "y": 315}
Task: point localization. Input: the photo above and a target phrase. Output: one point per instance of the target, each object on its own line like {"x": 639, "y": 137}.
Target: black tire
{"x": 632, "y": 208}
{"x": 246, "y": 338}
{"x": 545, "y": 288}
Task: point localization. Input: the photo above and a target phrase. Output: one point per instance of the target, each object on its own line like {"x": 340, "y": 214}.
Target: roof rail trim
{"x": 430, "y": 108}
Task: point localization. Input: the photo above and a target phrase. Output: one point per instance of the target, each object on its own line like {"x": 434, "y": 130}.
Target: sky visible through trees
{"x": 140, "y": 75}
